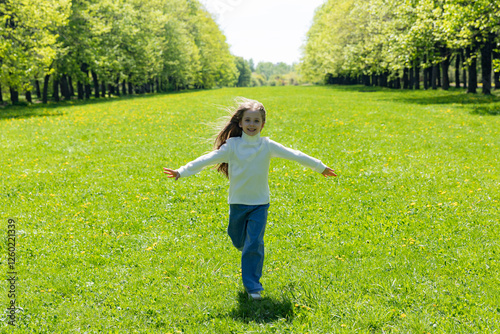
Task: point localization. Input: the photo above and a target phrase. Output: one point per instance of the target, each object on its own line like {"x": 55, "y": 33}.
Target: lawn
{"x": 405, "y": 239}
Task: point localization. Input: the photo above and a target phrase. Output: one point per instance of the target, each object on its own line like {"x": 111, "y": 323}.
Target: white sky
{"x": 264, "y": 30}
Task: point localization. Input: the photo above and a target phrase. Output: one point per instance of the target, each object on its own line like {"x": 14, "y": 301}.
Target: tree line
{"x": 405, "y": 43}
{"x": 87, "y": 48}
{"x": 266, "y": 74}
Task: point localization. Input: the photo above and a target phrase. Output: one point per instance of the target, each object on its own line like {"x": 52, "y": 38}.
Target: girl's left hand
{"x": 328, "y": 172}
{"x": 171, "y": 173}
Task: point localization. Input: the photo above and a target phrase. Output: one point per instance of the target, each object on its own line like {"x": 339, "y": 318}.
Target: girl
{"x": 243, "y": 156}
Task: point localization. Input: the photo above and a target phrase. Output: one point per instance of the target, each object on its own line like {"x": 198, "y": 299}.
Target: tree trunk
{"x": 88, "y": 91}
{"x": 79, "y": 87}
{"x": 124, "y": 88}
{"x": 70, "y": 86}
{"x": 412, "y": 77}
{"x": 366, "y": 80}
{"x": 103, "y": 89}
{"x": 117, "y": 86}
{"x": 457, "y": 70}
{"x": 496, "y": 75}
{"x": 434, "y": 76}
{"x": 406, "y": 81}
{"x": 486, "y": 66}
{"x": 45, "y": 89}
{"x": 86, "y": 86}
{"x": 37, "y": 88}
{"x": 130, "y": 88}
{"x": 472, "y": 86}
{"x": 96, "y": 84}
{"x": 438, "y": 76}
{"x": 383, "y": 79}
{"x": 65, "y": 88}
{"x": 55, "y": 89}
{"x": 417, "y": 75}
{"x": 464, "y": 68}
{"x": 1, "y": 96}
{"x": 445, "y": 65}
{"x": 14, "y": 95}
{"x": 27, "y": 95}
{"x": 426, "y": 78}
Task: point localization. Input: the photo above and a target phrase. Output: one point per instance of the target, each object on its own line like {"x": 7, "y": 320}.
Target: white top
{"x": 248, "y": 158}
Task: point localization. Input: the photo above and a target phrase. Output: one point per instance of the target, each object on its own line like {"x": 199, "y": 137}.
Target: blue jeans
{"x": 247, "y": 224}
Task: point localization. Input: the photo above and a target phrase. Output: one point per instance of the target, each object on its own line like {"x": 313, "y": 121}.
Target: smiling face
{"x": 251, "y": 123}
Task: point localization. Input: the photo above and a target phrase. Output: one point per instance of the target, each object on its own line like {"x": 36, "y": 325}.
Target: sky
{"x": 264, "y": 30}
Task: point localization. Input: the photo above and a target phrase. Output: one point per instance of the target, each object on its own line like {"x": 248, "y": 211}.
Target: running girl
{"x": 243, "y": 156}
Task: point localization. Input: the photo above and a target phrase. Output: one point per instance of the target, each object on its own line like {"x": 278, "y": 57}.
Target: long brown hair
{"x": 232, "y": 126}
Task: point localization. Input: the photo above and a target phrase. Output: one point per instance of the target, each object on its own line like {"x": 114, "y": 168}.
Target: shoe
{"x": 255, "y": 295}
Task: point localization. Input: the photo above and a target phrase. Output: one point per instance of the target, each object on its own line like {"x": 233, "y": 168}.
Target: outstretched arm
{"x": 328, "y": 172}
{"x": 281, "y": 151}
{"x": 172, "y": 173}
{"x": 195, "y": 166}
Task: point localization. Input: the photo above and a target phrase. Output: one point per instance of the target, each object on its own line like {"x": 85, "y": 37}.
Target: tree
{"x": 477, "y": 27}
{"x": 245, "y": 72}
{"x": 120, "y": 46}
{"x": 28, "y": 40}
{"x": 382, "y": 40}
{"x": 252, "y": 65}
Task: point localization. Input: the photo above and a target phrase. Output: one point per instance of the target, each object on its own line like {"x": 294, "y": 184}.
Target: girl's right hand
{"x": 172, "y": 173}
{"x": 328, "y": 172}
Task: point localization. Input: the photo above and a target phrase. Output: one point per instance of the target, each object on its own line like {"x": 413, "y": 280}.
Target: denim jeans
{"x": 247, "y": 224}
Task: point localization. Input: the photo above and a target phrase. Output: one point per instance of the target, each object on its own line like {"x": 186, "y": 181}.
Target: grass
{"x": 404, "y": 240}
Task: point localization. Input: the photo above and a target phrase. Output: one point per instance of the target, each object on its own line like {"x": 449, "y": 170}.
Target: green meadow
{"x": 404, "y": 240}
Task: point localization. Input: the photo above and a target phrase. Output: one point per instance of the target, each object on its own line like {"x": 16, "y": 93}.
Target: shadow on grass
{"x": 27, "y": 112}
{"x": 486, "y": 110}
{"x": 478, "y": 104}
{"x": 37, "y": 109}
{"x": 451, "y": 97}
{"x": 264, "y": 311}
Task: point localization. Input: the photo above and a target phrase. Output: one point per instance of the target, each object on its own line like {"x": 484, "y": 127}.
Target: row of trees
{"x": 396, "y": 42}
{"x": 266, "y": 74}
{"x": 99, "y": 47}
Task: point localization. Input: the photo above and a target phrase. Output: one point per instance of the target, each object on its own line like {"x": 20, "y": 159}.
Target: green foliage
{"x": 258, "y": 80}
{"x": 28, "y": 39}
{"x": 404, "y": 240}
{"x": 245, "y": 72}
{"x": 268, "y": 69}
{"x": 364, "y": 37}
{"x": 279, "y": 74}
{"x": 173, "y": 40}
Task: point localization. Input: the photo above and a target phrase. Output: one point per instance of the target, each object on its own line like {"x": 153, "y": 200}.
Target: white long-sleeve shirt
{"x": 249, "y": 158}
